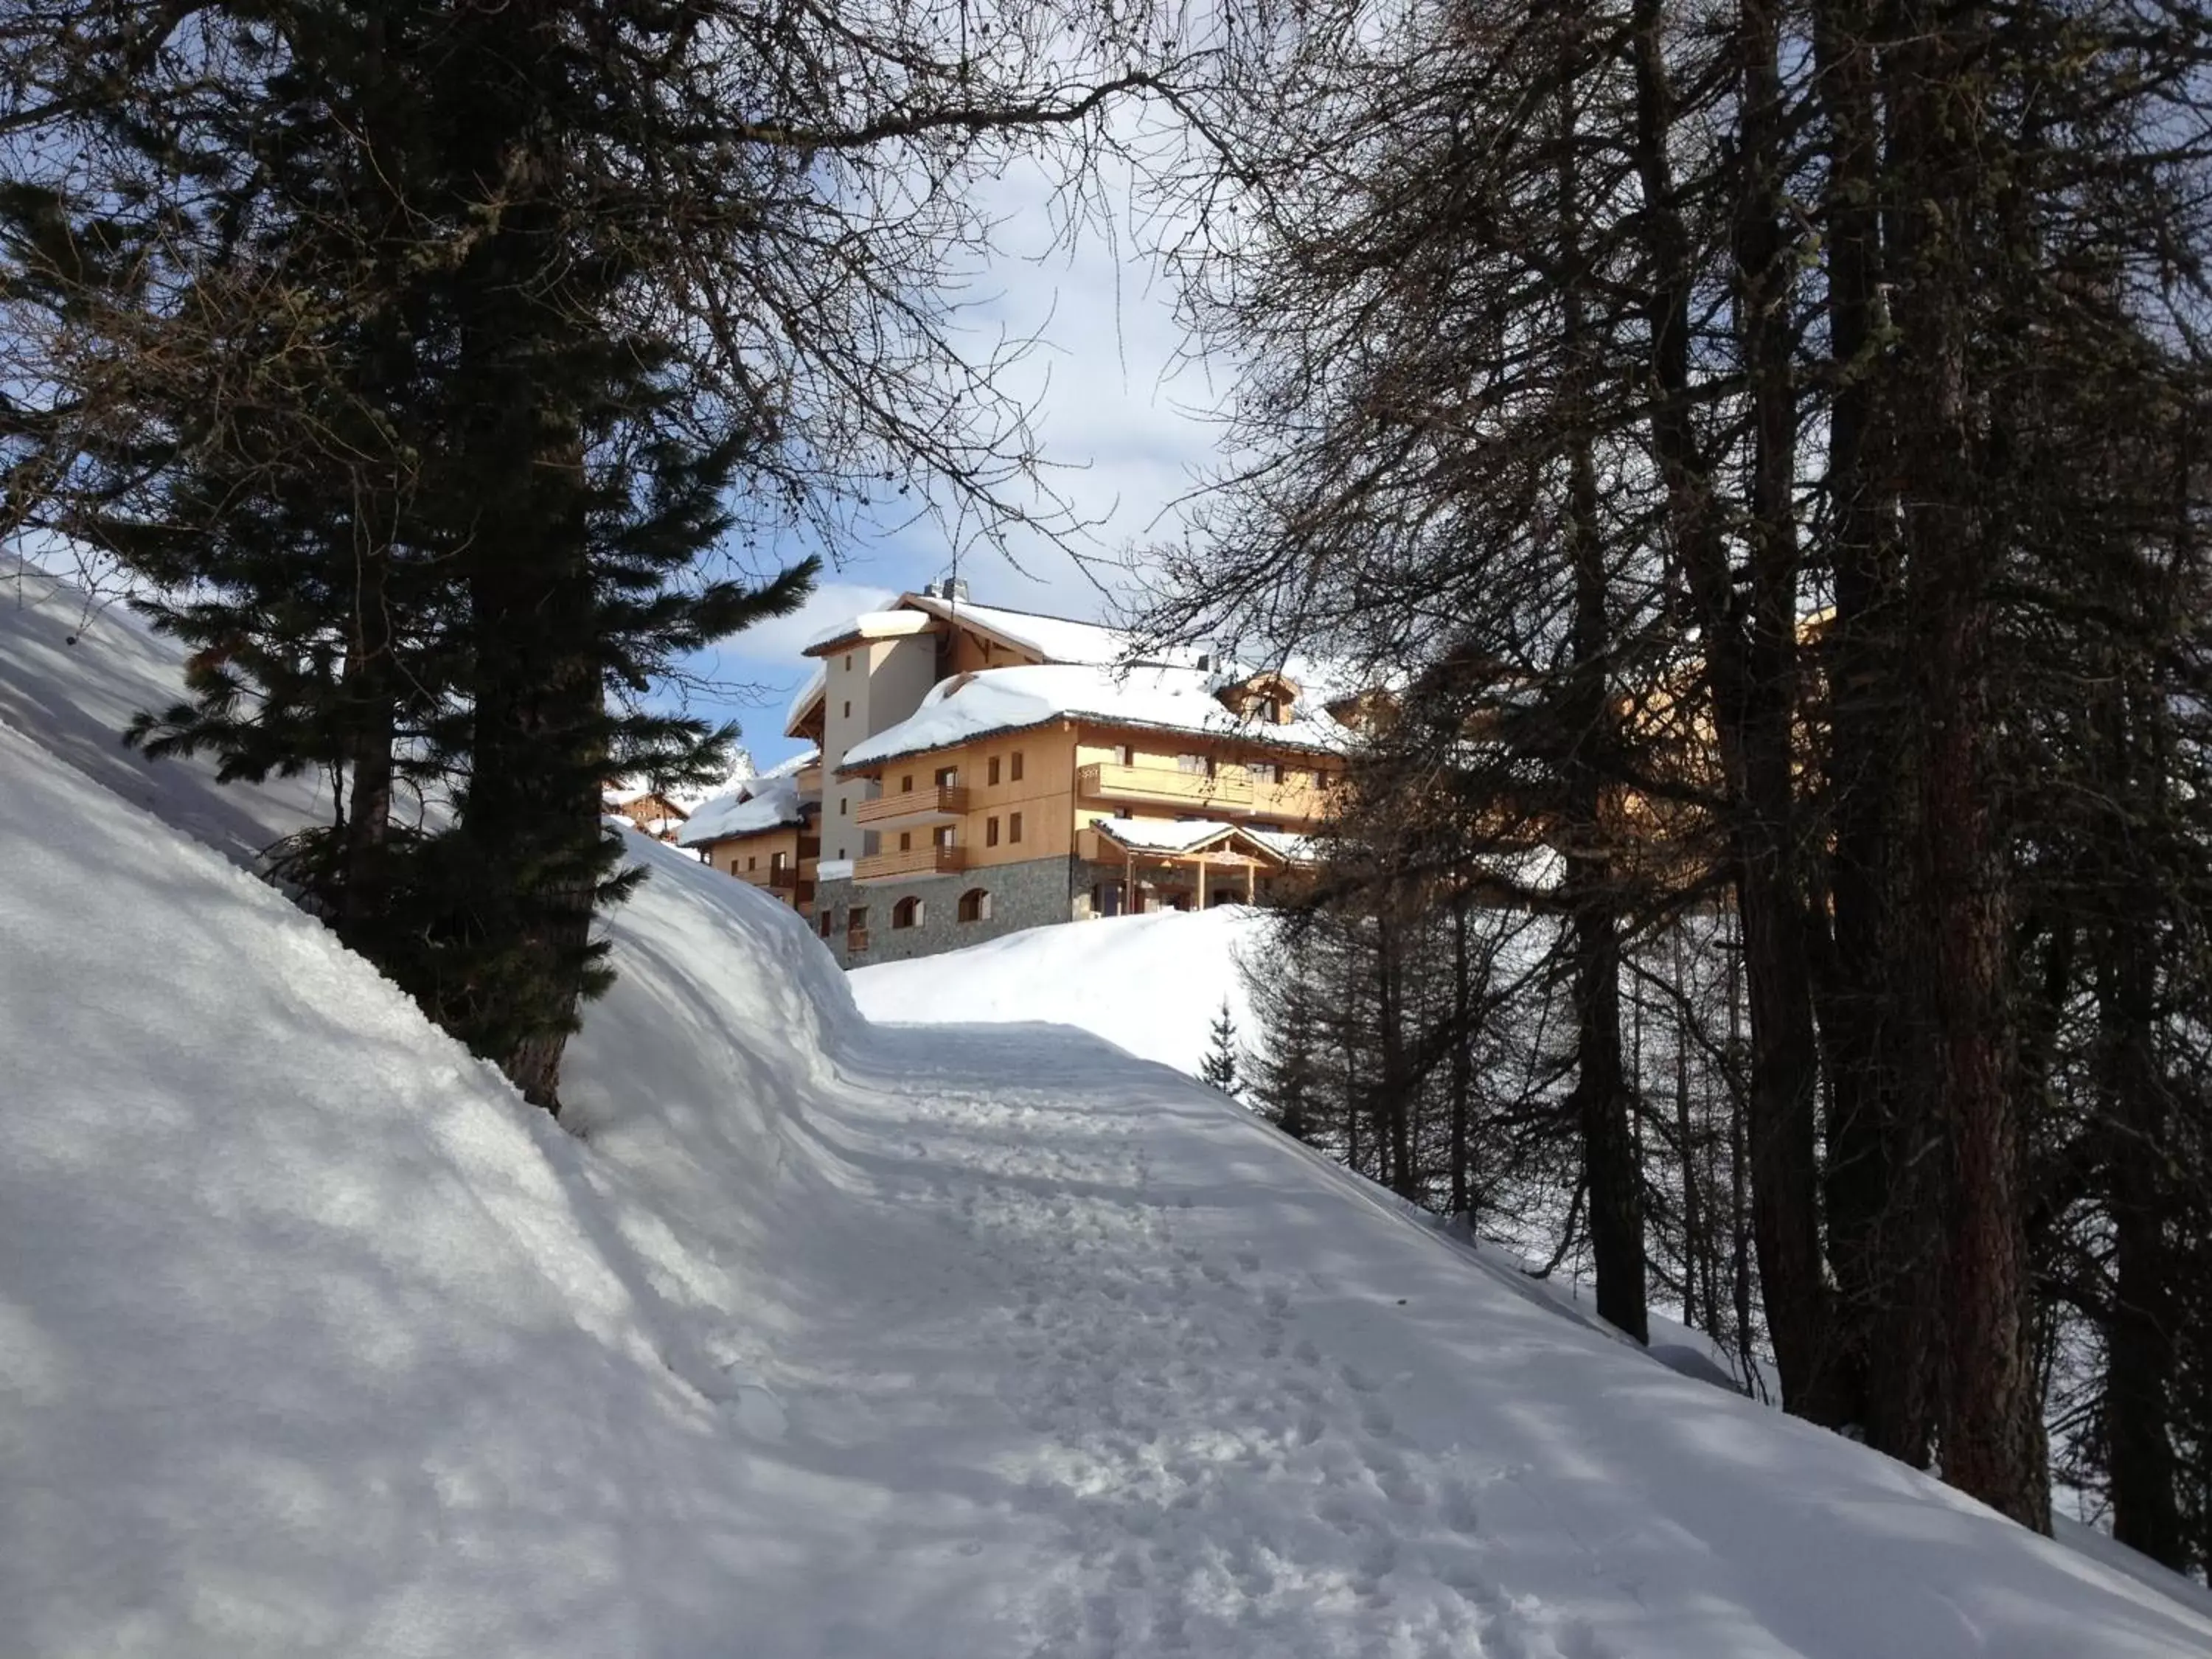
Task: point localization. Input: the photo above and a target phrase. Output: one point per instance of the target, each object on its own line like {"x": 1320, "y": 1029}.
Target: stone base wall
{"x": 1033, "y": 894}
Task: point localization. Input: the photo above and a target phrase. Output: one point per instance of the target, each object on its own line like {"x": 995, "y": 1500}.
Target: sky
{"x": 1125, "y": 426}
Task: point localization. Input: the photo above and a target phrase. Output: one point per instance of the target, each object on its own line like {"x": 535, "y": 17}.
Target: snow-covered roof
{"x": 808, "y": 694}
{"x": 971, "y": 706}
{"x": 765, "y": 804}
{"x": 1055, "y": 638}
{"x": 1286, "y": 844}
{"x": 1162, "y": 835}
{"x": 625, "y": 792}
{"x": 1189, "y": 835}
{"x": 794, "y": 765}
{"x": 872, "y": 625}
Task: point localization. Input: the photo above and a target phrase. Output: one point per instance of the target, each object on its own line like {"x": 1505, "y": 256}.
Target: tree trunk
{"x": 1750, "y": 671}
{"x": 1461, "y": 1075}
{"x": 2139, "y": 1341}
{"x": 1991, "y": 1412}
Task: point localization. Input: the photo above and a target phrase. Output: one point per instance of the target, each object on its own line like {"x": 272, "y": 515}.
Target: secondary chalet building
{"x": 981, "y": 770}
{"x": 766, "y": 831}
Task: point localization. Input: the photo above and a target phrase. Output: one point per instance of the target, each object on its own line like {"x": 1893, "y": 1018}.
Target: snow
{"x": 825, "y": 1340}
{"x": 971, "y": 706}
{"x": 792, "y": 765}
{"x": 75, "y": 674}
{"x": 1287, "y": 844}
{"x": 770, "y": 801}
{"x": 810, "y": 692}
{"x": 1054, "y": 639}
{"x": 1162, "y": 835}
{"x": 1151, "y": 985}
{"x": 871, "y": 625}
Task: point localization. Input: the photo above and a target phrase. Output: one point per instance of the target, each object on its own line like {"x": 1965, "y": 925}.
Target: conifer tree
{"x": 1218, "y": 1070}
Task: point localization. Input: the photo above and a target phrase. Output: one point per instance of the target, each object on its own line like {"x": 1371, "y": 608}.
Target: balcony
{"x": 915, "y": 861}
{"x": 942, "y": 800}
{"x": 783, "y": 878}
{"x": 1199, "y": 795}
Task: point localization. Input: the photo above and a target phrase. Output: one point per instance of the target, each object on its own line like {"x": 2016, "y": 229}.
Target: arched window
{"x": 906, "y": 913}
{"x": 976, "y": 905}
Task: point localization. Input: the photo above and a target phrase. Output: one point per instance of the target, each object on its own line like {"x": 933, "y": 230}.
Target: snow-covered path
{"x": 1200, "y": 1472}
{"x": 1094, "y": 1363}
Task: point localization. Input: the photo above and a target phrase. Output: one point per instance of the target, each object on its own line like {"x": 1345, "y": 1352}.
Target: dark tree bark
{"x": 1991, "y": 1410}
{"x": 1749, "y": 668}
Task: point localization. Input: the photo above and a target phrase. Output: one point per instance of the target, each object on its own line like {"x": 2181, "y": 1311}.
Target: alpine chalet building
{"x": 983, "y": 771}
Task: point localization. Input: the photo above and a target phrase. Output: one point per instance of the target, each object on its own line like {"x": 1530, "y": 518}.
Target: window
{"x": 1128, "y": 755}
{"x": 1191, "y": 764}
{"x": 751, "y": 863}
{"x": 991, "y": 771}
{"x": 778, "y": 861}
{"x": 828, "y": 921}
{"x": 906, "y": 784}
{"x": 1014, "y": 827}
{"x": 974, "y": 905}
{"x": 943, "y": 835}
{"x": 1271, "y": 710}
{"x": 848, "y": 708}
{"x": 990, "y": 832}
{"x": 856, "y": 928}
{"x": 848, "y": 662}
{"x": 1017, "y": 766}
{"x": 906, "y": 841}
{"x": 948, "y": 777}
{"x": 906, "y": 913}
{"x": 1265, "y": 772}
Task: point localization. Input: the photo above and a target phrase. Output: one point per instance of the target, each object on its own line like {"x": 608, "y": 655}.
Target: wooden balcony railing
{"x": 937, "y": 801}
{"x": 1158, "y": 786}
{"x": 915, "y": 861}
{"x": 783, "y": 878}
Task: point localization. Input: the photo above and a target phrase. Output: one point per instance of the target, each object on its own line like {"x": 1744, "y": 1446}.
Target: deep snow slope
{"x": 826, "y": 1340}
{"x": 1151, "y": 984}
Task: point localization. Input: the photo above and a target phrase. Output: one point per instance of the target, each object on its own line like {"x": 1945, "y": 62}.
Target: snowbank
{"x": 311, "y": 1341}
{"x": 1152, "y": 985}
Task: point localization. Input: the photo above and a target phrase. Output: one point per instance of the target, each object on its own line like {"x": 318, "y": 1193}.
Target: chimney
{"x": 955, "y": 588}
{"x": 1206, "y": 660}
{"x": 929, "y": 590}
